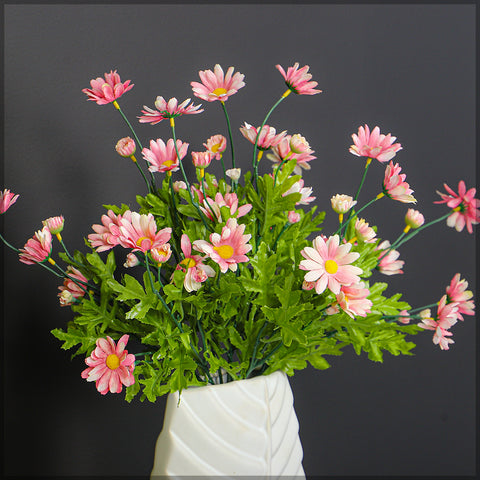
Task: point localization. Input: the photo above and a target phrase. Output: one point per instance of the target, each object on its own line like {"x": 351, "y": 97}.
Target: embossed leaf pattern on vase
{"x": 248, "y": 427}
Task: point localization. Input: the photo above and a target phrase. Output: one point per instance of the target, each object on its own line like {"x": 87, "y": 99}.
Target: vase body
{"x": 246, "y": 427}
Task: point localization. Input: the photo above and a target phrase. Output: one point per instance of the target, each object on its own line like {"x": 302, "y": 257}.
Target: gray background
{"x": 408, "y": 68}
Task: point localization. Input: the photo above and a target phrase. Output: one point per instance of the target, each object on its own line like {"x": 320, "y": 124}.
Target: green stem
{"x": 369, "y": 161}
{"x": 253, "y": 361}
{"x": 194, "y": 203}
{"x": 60, "y": 239}
{"x": 274, "y": 248}
{"x": 367, "y": 164}
{"x": 345, "y": 224}
{"x": 255, "y": 148}
{"x": 214, "y": 216}
{"x": 151, "y": 188}
{"x": 200, "y": 363}
{"x": 229, "y": 136}
{"x": 278, "y": 168}
{"x": 418, "y": 230}
{"x": 264, "y": 359}
{"x": 16, "y": 250}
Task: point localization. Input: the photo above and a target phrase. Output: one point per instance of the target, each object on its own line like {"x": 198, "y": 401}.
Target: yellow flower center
{"x": 331, "y": 266}
{"x": 141, "y": 239}
{"x": 168, "y": 163}
{"x": 113, "y": 362}
{"x": 215, "y": 148}
{"x": 225, "y": 251}
{"x": 219, "y": 91}
{"x": 188, "y": 262}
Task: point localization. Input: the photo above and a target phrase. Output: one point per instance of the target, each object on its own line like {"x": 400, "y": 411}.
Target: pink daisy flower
{"x": 70, "y": 290}
{"x": 37, "y": 249}
{"x": 374, "y": 145}
{"x": 227, "y": 249}
{"x": 216, "y": 145}
{"x": 110, "y": 366}
{"x": 139, "y": 232}
{"x": 216, "y": 85}
{"x": 328, "y": 264}
{"x": 170, "y": 109}
{"x": 107, "y": 90}
{"x": 353, "y": 300}
{"x": 464, "y": 206}
{"x": 457, "y": 293}
{"x": 229, "y": 200}
{"x": 298, "y": 80}
{"x": 282, "y": 151}
{"x": 7, "y": 199}
{"x": 446, "y": 318}
{"x": 395, "y": 186}
{"x": 267, "y": 138}
{"x": 196, "y": 271}
{"x": 107, "y": 235}
{"x": 388, "y": 263}
{"x": 163, "y": 157}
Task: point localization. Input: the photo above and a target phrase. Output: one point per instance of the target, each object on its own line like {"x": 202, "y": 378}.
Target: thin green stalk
{"x": 194, "y": 203}
{"x": 367, "y": 164}
{"x": 16, "y": 250}
{"x": 151, "y": 187}
{"x": 263, "y": 361}
{"x": 418, "y": 230}
{"x": 274, "y": 248}
{"x": 369, "y": 161}
{"x": 278, "y": 168}
{"x": 229, "y": 136}
{"x": 172, "y": 316}
{"x": 345, "y": 224}
{"x": 253, "y": 361}
{"x": 60, "y": 239}
{"x": 255, "y": 147}
{"x": 206, "y": 198}
{"x": 424, "y": 307}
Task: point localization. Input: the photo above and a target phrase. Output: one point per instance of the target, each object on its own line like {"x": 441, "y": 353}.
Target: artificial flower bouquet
{"x": 213, "y": 280}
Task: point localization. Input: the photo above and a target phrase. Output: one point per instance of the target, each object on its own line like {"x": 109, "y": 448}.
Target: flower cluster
{"x": 220, "y": 280}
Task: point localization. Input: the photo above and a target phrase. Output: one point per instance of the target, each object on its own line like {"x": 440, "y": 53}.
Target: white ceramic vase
{"x": 246, "y": 427}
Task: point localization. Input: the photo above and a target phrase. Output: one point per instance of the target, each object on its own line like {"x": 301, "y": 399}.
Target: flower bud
{"x": 201, "y": 159}
{"x": 216, "y": 145}
{"x": 126, "y": 147}
{"x": 298, "y": 144}
{"x": 66, "y": 298}
{"x": 414, "y": 218}
{"x": 293, "y": 217}
{"x": 161, "y": 254}
{"x": 308, "y": 285}
{"x": 234, "y": 173}
{"x": 177, "y": 186}
{"x": 342, "y": 203}
{"x": 404, "y": 318}
{"x": 363, "y": 232}
{"x": 7, "y": 199}
{"x": 54, "y": 224}
{"x": 131, "y": 261}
